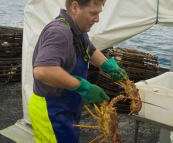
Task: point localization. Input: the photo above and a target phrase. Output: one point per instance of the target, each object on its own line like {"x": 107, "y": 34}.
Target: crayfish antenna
{"x": 148, "y": 103}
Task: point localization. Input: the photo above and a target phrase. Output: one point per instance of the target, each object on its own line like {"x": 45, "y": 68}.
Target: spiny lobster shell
{"x": 132, "y": 93}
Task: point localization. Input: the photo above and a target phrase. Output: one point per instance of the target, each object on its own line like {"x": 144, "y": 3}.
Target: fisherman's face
{"x": 85, "y": 17}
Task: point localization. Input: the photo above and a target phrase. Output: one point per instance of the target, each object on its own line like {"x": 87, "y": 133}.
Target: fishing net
{"x": 139, "y": 65}
{"x": 10, "y": 54}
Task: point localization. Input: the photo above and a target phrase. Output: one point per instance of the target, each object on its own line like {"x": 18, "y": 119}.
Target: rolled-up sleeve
{"x": 53, "y": 48}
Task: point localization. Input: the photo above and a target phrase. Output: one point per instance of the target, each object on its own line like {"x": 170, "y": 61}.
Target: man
{"x": 60, "y": 65}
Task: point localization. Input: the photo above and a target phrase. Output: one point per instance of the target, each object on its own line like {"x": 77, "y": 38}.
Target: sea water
{"x": 12, "y": 12}
{"x": 158, "y": 40}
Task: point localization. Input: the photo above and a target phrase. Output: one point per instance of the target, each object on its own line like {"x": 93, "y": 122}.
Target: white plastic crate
{"x": 158, "y": 91}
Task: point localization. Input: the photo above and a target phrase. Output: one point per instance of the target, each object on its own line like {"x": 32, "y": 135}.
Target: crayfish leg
{"x": 120, "y": 83}
{"x": 103, "y": 140}
{"x": 131, "y": 112}
{"x": 84, "y": 126}
{"x": 98, "y": 110}
{"x": 94, "y": 116}
{"x": 101, "y": 136}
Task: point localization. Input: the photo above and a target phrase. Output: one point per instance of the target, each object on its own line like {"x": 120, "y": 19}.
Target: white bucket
{"x": 158, "y": 91}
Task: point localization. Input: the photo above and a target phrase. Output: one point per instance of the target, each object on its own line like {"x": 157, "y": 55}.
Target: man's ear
{"x": 74, "y": 7}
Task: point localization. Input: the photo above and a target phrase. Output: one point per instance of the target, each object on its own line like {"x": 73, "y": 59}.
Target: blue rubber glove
{"x": 90, "y": 93}
{"x": 113, "y": 69}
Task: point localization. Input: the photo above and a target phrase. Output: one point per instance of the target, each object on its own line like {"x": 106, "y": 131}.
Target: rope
{"x": 158, "y": 2}
{"x": 4, "y": 82}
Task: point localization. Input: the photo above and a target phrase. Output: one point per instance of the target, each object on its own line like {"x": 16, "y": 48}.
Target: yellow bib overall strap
{"x": 87, "y": 56}
{"x": 63, "y": 19}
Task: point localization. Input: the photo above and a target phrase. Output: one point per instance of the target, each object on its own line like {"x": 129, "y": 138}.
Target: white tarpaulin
{"x": 120, "y": 20}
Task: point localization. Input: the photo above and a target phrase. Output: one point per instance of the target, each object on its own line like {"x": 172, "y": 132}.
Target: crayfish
{"x": 108, "y": 121}
{"x": 107, "y": 115}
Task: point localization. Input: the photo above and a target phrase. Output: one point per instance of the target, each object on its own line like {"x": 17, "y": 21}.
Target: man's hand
{"x": 90, "y": 93}
{"x": 113, "y": 69}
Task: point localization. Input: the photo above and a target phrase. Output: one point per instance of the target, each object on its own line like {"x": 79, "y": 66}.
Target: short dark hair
{"x": 83, "y": 3}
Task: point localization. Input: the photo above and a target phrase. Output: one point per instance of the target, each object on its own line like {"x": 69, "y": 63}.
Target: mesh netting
{"x": 139, "y": 65}
{"x": 10, "y": 54}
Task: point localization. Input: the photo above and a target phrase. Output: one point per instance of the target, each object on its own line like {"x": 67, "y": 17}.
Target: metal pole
{"x": 164, "y": 136}
{"x": 136, "y": 131}
{"x": 171, "y": 68}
